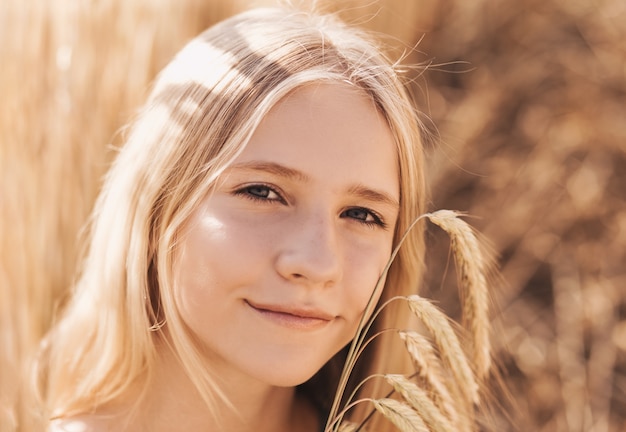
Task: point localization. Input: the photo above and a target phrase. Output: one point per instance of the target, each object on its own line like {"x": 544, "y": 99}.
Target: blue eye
{"x": 260, "y": 192}
{"x": 364, "y": 216}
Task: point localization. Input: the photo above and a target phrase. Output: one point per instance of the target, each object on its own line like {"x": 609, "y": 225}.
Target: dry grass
{"x": 532, "y": 144}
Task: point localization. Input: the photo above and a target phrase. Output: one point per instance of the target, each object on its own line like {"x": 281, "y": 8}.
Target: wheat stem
{"x": 347, "y": 427}
{"x": 355, "y": 391}
{"x": 338, "y": 420}
{"x": 377, "y": 312}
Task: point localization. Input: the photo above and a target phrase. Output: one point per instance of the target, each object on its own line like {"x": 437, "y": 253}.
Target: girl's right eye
{"x": 259, "y": 192}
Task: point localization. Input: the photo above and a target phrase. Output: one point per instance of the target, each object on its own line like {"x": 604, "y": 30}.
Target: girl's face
{"x": 275, "y": 268}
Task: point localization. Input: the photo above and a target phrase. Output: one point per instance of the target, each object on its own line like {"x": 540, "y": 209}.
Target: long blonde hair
{"x": 203, "y": 108}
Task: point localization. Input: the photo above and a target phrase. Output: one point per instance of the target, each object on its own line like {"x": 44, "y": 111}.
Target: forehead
{"x": 330, "y": 130}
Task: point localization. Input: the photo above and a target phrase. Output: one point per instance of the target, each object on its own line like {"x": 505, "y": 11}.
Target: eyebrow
{"x": 374, "y": 195}
{"x": 358, "y": 190}
{"x": 273, "y": 168}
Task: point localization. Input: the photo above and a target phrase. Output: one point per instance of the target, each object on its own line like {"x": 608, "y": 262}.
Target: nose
{"x": 310, "y": 252}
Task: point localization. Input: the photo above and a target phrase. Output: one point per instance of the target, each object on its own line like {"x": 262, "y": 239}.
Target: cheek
{"x": 193, "y": 284}
{"x": 209, "y": 264}
{"x": 363, "y": 269}
{"x": 203, "y": 249}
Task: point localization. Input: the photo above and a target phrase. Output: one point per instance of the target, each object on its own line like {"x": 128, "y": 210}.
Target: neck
{"x": 172, "y": 403}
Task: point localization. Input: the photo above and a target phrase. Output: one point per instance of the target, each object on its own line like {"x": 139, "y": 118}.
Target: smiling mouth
{"x": 291, "y": 317}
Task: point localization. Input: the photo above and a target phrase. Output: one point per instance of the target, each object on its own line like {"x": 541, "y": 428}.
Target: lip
{"x": 299, "y": 318}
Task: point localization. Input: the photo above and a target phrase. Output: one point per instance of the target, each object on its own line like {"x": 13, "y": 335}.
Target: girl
{"x": 240, "y": 234}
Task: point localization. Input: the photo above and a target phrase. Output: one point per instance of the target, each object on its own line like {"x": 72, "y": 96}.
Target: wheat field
{"x": 525, "y": 106}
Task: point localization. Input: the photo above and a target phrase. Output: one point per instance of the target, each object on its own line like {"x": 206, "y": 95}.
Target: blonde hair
{"x": 203, "y": 109}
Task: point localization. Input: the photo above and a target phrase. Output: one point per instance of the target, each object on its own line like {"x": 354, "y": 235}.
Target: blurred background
{"x": 525, "y": 106}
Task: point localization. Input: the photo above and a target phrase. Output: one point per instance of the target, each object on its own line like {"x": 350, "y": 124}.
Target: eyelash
{"x": 377, "y": 219}
{"x": 246, "y": 193}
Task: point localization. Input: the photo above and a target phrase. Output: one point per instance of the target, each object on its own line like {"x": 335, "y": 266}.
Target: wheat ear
{"x": 448, "y": 343}
{"x": 419, "y": 400}
{"x": 428, "y": 368}
{"x": 471, "y": 267}
{"x": 401, "y": 415}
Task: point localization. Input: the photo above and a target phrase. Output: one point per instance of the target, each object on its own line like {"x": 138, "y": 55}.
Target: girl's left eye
{"x": 259, "y": 192}
{"x": 364, "y": 216}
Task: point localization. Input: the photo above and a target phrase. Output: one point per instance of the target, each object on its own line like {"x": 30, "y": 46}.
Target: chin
{"x": 289, "y": 376}
{"x": 289, "y": 373}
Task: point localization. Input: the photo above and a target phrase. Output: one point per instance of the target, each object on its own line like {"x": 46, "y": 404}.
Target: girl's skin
{"x": 273, "y": 270}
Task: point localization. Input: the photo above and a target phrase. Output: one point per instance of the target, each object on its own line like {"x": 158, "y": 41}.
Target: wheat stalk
{"x": 448, "y": 343}
{"x": 420, "y": 401}
{"x": 401, "y": 415}
{"x": 434, "y": 405}
{"x": 471, "y": 267}
{"x": 347, "y": 427}
{"x": 362, "y": 329}
{"x": 428, "y": 368}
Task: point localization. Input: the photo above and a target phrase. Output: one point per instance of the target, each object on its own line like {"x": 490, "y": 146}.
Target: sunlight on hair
{"x": 200, "y": 62}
